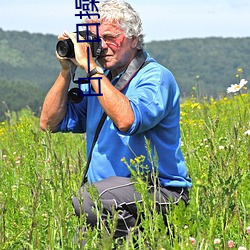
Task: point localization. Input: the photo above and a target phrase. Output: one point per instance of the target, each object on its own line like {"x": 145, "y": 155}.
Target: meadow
{"x": 40, "y": 172}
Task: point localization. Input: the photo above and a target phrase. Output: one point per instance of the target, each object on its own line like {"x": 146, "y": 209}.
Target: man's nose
{"x": 104, "y": 44}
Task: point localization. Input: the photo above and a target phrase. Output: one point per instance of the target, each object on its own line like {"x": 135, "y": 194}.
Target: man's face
{"x": 118, "y": 50}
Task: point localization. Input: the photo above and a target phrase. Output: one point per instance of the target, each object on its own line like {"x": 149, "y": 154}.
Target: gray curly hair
{"x": 122, "y": 14}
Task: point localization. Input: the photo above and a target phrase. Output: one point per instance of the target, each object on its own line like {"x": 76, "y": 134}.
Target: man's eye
{"x": 108, "y": 38}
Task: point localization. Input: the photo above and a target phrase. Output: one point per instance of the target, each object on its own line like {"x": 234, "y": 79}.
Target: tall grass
{"x": 40, "y": 172}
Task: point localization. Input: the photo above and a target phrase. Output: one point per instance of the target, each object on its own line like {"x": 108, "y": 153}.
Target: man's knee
{"x": 84, "y": 205}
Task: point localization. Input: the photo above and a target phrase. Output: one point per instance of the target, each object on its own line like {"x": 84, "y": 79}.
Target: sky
{"x": 162, "y": 19}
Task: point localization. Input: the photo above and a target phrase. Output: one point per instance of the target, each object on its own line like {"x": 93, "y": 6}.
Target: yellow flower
{"x": 240, "y": 70}
{"x": 195, "y": 105}
{"x": 138, "y": 160}
{"x": 132, "y": 162}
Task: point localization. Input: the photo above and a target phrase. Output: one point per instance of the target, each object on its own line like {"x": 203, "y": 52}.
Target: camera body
{"x": 65, "y": 48}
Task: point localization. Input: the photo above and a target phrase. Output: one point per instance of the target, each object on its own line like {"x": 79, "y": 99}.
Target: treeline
{"x": 28, "y": 68}
{"x": 204, "y": 67}
{"x": 210, "y": 64}
{"x": 16, "y": 95}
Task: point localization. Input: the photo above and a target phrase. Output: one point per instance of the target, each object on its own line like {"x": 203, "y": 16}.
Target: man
{"x": 141, "y": 100}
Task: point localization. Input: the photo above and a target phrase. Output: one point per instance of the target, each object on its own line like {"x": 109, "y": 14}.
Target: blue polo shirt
{"x": 154, "y": 97}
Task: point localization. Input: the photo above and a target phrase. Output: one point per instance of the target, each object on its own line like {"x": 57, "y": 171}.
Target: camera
{"x": 65, "y": 48}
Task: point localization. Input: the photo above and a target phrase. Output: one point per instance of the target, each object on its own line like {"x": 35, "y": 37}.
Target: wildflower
{"x": 216, "y": 241}
{"x": 198, "y": 182}
{"x": 14, "y": 188}
{"x": 242, "y": 248}
{"x": 247, "y": 133}
{"x": 137, "y": 159}
{"x": 195, "y": 106}
{"x": 123, "y": 159}
{"x": 248, "y": 230}
{"x": 240, "y": 70}
{"x": 45, "y": 216}
{"x": 192, "y": 240}
{"x": 132, "y": 162}
{"x": 221, "y": 147}
{"x": 230, "y": 244}
{"x": 237, "y": 87}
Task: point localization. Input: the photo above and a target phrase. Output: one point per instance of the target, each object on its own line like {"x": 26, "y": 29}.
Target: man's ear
{"x": 134, "y": 42}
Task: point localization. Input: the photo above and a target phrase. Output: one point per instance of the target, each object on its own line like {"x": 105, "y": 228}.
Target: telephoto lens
{"x": 65, "y": 48}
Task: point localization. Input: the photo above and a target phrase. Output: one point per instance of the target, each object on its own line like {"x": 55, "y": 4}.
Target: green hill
{"x": 211, "y": 63}
{"x": 28, "y": 65}
{"x": 28, "y": 57}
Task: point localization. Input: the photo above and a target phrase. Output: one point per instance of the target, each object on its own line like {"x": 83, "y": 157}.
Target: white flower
{"x": 247, "y": 133}
{"x": 192, "y": 240}
{"x": 217, "y": 241}
{"x": 237, "y": 87}
{"x": 242, "y": 248}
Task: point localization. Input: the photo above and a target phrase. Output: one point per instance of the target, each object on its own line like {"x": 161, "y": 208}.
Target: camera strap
{"x": 136, "y": 64}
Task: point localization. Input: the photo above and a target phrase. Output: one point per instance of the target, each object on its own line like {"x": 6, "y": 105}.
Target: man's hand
{"x": 81, "y": 57}
{"x": 66, "y": 63}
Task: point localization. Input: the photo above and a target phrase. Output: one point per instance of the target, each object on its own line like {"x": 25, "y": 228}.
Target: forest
{"x": 202, "y": 67}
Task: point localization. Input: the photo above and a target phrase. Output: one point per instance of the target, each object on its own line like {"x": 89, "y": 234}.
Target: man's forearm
{"x": 55, "y": 103}
{"x": 115, "y": 104}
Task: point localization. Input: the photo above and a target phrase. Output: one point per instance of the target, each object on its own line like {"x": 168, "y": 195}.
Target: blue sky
{"x": 162, "y": 19}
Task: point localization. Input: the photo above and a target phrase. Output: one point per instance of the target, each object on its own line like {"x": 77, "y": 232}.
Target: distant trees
{"x": 17, "y": 95}
{"x": 203, "y": 67}
{"x": 212, "y": 63}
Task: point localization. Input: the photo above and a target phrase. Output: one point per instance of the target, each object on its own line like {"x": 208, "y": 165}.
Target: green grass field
{"x": 40, "y": 172}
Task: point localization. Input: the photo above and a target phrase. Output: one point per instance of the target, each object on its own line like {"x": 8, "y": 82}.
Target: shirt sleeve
{"x": 75, "y": 118}
{"x": 154, "y": 96}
